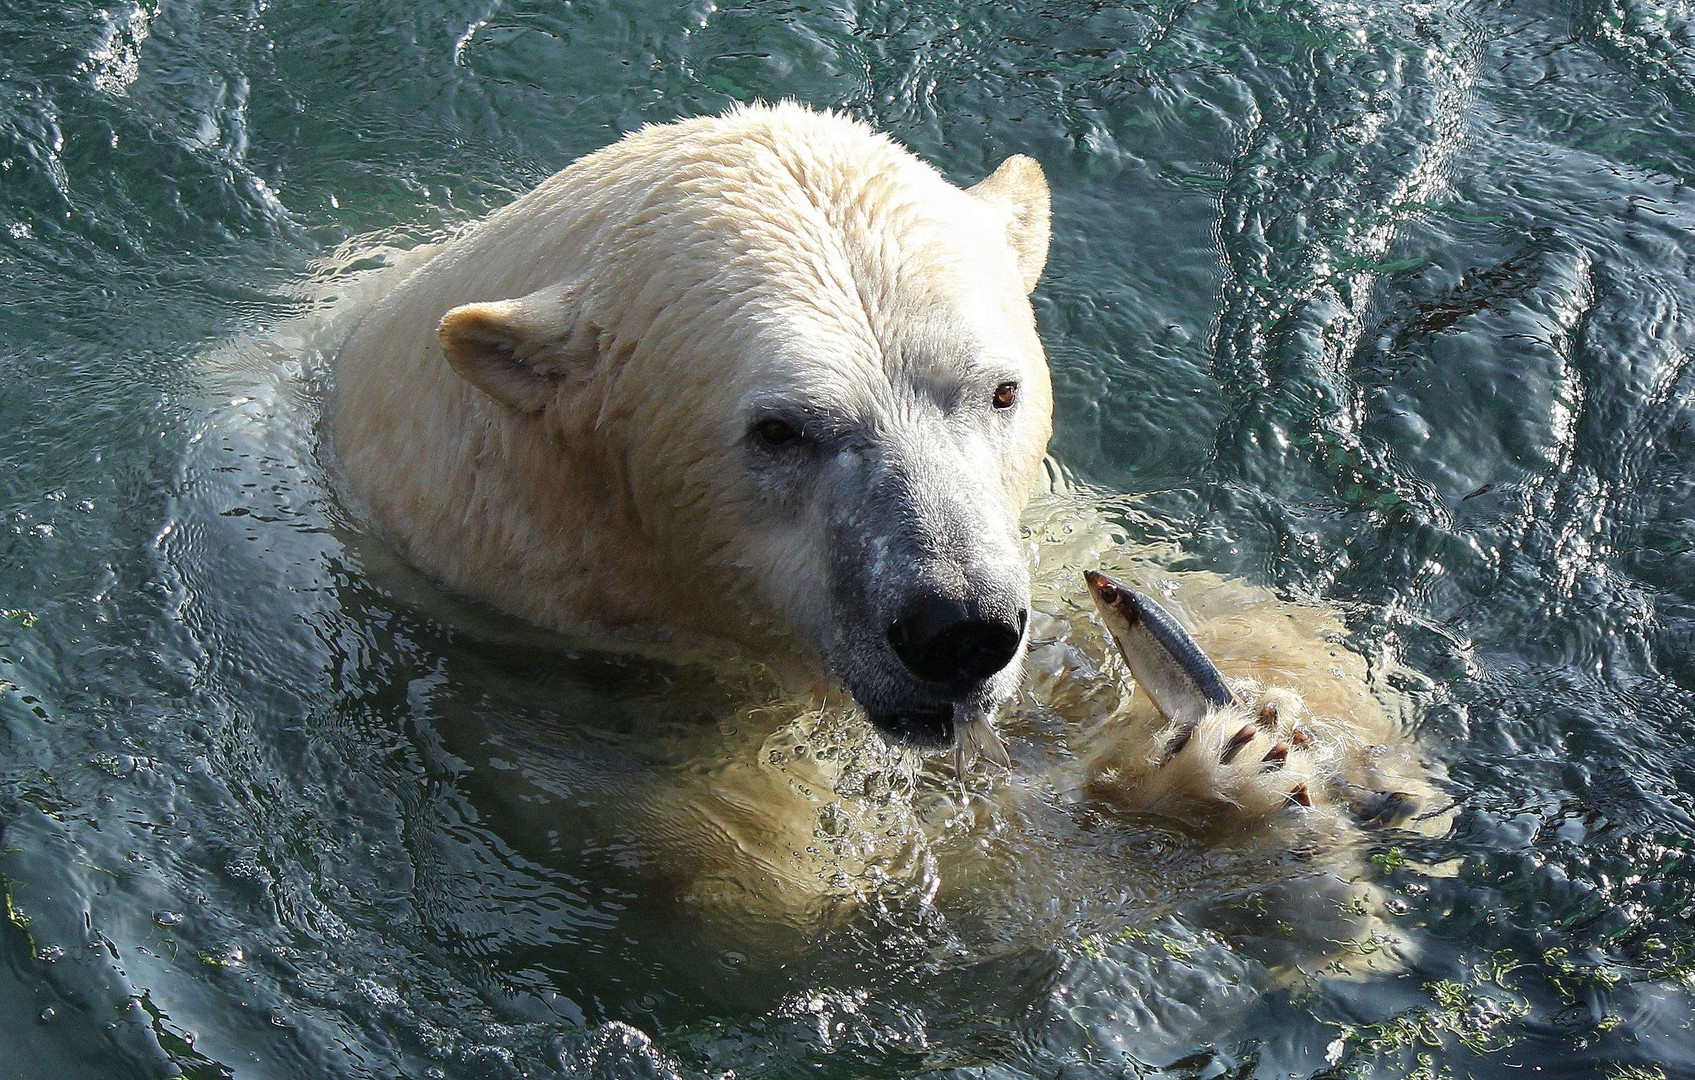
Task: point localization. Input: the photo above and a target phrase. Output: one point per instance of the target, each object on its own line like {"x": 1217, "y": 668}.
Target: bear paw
{"x": 1239, "y": 765}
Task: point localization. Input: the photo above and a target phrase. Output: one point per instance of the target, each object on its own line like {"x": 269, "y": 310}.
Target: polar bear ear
{"x": 519, "y": 351}
{"x": 1019, "y": 187}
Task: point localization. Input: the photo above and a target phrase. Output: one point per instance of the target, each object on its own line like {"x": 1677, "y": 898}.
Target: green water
{"x": 1390, "y": 305}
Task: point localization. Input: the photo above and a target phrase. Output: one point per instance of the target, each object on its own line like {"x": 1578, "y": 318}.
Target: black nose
{"x": 940, "y": 640}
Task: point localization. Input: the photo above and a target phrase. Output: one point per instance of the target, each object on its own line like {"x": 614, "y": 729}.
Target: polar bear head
{"x": 805, "y": 366}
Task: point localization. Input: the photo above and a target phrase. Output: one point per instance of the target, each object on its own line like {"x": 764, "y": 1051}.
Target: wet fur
{"x": 555, "y": 411}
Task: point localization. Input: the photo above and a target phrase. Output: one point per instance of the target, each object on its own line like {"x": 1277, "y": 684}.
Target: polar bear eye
{"x": 775, "y": 433}
{"x": 1006, "y": 395}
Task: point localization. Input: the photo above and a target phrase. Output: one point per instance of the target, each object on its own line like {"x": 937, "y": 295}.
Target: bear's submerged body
{"x": 800, "y": 815}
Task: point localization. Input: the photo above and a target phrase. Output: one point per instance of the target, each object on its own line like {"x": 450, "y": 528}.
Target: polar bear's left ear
{"x": 1019, "y": 187}
{"x": 519, "y": 352}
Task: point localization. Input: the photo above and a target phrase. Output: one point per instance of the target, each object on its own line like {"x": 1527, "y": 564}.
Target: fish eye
{"x": 1109, "y": 595}
{"x": 1006, "y": 395}
{"x": 775, "y": 433}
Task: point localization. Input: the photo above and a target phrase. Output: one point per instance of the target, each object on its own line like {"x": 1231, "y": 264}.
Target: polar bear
{"x": 764, "y": 380}
{"x": 768, "y": 384}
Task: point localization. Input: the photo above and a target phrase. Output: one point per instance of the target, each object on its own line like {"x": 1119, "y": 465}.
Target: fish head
{"x": 1118, "y": 606}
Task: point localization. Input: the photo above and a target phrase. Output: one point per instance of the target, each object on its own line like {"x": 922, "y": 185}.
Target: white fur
{"x": 770, "y": 252}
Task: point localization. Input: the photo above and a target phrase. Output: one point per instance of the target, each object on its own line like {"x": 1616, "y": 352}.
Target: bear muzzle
{"x": 947, "y": 660}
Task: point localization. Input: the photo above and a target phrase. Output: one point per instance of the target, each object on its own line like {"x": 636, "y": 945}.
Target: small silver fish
{"x": 1176, "y": 675}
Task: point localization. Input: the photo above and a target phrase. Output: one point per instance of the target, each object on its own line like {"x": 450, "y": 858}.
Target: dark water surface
{"x": 1389, "y": 304}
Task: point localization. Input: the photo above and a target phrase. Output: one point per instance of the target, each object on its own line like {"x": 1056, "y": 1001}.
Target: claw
{"x": 1237, "y": 741}
{"x": 1299, "y": 796}
{"x": 1178, "y": 742}
{"x": 1268, "y": 716}
{"x": 1299, "y": 738}
{"x": 1385, "y": 808}
{"x": 1275, "y": 757}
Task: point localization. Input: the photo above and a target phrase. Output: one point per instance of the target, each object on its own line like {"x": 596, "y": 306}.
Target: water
{"x": 1388, "y": 305}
